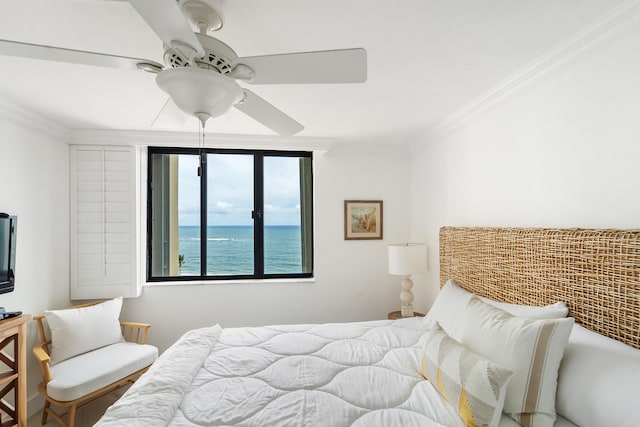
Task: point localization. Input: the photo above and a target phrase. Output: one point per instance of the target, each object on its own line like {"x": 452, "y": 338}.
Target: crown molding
{"x": 28, "y": 119}
{"x": 366, "y": 148}
{"x": 610, "y": 25}
{"x": 191, "y": 139}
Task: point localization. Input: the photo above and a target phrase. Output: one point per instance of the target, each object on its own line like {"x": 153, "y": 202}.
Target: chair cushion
{"x": 88, "y": 372}
{"x": 78, "y": 330}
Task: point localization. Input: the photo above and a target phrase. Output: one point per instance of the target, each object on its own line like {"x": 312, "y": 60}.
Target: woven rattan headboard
{"x": 595, "y": 272}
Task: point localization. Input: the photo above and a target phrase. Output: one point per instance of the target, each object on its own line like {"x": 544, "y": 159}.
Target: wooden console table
{"x": 13, "y": 370}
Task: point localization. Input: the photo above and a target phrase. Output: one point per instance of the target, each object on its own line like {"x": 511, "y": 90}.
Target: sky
{"x": 230, "y": 188}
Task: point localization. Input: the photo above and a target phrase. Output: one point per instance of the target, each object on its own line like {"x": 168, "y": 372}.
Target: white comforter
{"x": 358, "y": 374}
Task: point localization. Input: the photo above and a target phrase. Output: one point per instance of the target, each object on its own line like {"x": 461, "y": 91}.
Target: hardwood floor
{"x": 85, "y": 417}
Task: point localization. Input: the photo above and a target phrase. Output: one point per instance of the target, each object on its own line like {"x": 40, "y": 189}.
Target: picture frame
{"x": 363, "y": 220}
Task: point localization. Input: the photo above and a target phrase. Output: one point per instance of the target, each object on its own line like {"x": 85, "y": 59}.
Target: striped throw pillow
{"x": 532, "y": 349}
{"x": 473, "y": 385}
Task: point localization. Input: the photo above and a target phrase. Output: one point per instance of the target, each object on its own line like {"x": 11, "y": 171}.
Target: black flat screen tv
{"x": 8, "y": 229}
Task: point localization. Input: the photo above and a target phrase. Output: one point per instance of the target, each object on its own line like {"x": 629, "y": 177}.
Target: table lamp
{"x": 404, "y": 260}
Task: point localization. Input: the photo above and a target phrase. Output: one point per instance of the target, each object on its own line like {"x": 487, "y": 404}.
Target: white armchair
{"x": 89, "y": 354}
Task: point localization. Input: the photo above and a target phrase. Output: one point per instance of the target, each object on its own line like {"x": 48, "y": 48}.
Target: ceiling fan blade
{"x": 166, "y": 20}
{"x": 327, "y": 66}
{"x": 259, "y": 109}
{"x": 36, "y": 51}
{"x": 169, "y": 116}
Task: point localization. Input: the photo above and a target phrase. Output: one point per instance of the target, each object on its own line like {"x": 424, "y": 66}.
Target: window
{"x": 229, "y": 214}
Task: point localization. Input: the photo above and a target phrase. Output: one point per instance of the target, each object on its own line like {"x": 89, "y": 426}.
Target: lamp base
{"x": 406, "y": 296}
{"x": 407, "y": 311}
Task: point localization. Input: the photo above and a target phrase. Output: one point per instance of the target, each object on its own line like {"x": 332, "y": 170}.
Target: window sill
{"x": 232, "y": 282}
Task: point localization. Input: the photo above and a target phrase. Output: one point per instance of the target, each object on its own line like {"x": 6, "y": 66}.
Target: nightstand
{"x": 396, "y": 315}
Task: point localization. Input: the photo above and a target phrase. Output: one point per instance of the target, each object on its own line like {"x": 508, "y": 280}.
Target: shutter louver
{"x": 103, "y": 222}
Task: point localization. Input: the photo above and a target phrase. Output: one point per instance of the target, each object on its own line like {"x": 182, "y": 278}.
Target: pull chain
{"x": 203, "y": 117}
{"x": 203, "y": 135}
{"x": 200, "y": 145}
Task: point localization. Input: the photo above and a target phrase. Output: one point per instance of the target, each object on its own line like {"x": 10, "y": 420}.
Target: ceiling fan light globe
{"x": 196, "y": 91}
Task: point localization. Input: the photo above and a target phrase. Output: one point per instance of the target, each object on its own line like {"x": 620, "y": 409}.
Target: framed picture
{"x": 363, "y": 219}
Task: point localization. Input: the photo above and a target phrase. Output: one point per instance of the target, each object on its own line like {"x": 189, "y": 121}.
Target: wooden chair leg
{"x": 72, "y": 415}
{"x": 45, "y": 412}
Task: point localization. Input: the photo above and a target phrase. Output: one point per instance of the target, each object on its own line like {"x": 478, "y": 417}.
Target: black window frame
{"x": 257, "y": 214}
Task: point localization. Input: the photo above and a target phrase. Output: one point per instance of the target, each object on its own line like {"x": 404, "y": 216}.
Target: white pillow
{"x": 473, "y": 385}
{"x": 452, "y": 301}
{"x": 598, "y": 381}
{"x": 557, "y": 310}
{"x": 79, "y": 330}
{"x": 531, "y": 348}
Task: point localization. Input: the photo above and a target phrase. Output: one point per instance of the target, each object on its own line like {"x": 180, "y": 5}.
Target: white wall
{"x": 34, "y": 185}
{"x": 564, "y": 151}
{"x": 351, "y": 279}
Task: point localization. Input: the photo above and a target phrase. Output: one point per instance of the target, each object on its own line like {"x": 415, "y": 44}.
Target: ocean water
{"x": 230, "y": 250}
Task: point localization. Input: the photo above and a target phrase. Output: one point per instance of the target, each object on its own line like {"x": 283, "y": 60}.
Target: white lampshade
{"x": 407, "y": 258}
{"x": 197, "y": 91}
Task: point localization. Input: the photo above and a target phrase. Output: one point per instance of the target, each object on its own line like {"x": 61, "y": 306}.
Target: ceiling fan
{"x": 201, "y": 73}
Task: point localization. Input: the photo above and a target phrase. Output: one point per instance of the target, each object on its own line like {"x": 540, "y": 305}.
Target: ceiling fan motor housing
{"x": 218, "y": 56}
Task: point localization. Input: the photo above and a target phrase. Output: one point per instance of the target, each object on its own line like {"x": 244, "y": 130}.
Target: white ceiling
{"x": 426, "y": 59}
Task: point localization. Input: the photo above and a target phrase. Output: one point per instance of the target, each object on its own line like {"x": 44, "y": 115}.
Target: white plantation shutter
{"x": 103, "y": 215}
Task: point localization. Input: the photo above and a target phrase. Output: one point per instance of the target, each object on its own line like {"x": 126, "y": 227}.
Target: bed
{"x": 409, "y": 371}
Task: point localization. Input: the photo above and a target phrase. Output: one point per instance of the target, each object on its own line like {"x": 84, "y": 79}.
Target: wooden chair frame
{"x": 131, "y": 331}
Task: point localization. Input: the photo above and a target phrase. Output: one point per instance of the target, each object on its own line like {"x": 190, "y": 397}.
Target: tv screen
{"x": 8, "y": 228}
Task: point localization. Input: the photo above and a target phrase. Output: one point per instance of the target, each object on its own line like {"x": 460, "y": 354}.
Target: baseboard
{"x": 34, "y": 405}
